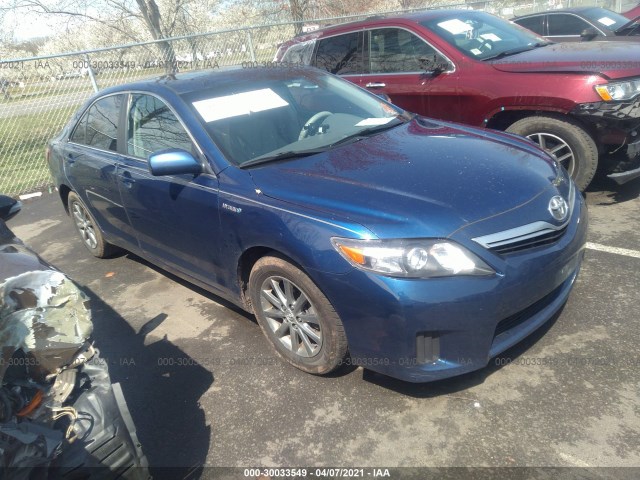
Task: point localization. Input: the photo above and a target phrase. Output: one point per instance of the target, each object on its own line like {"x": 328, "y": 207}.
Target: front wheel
{"x": 564, "y": 140}
{"x": 299, "y": 321}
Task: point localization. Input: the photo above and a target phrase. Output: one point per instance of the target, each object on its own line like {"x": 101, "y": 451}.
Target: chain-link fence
{"x": 38, "y": 95}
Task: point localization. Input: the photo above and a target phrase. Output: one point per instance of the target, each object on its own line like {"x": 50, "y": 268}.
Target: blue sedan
{"x": 355, "y": 232}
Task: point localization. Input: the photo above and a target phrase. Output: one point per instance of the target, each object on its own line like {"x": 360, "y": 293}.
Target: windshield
{"x": 301, "y": 112}
{"x": 482, "y": 36}
{"x": 605, "y": 18}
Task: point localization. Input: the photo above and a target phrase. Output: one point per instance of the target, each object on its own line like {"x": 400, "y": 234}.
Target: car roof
{"x": 184, "y": 83}
{"x": 576, "y": 10}
{"x": 415, "y": 17}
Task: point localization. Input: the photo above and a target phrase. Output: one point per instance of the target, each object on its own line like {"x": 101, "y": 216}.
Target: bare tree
{"x": 298, "y": 11}
{"x": 135, "y": 20}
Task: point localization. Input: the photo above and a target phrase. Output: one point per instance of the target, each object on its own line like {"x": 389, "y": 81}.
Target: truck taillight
{"x": 47, "y": 153}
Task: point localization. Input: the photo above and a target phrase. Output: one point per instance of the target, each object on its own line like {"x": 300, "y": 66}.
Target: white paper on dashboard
{"x": 367, "y": 122}
{"x": 455, "y": 26}
{"x": 606, "y": 21}
{"x": 213, "y": 109}
{"x": 491, "y": 36}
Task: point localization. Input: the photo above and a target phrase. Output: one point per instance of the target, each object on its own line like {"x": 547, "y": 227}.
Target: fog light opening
{"x": 427, "y": 347}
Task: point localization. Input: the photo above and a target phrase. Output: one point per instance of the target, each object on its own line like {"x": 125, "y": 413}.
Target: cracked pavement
{"x": 204, "y": 387}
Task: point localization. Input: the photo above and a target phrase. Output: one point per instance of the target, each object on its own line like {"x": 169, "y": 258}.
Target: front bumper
{"x": 617, "y": 126}
{"x": 422, "y": 330}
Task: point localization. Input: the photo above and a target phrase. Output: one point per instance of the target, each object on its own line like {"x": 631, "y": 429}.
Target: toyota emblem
{"x": 558, "y": 208}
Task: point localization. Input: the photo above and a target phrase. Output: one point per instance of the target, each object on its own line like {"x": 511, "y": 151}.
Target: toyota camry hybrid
{"x": 353, "y": 230}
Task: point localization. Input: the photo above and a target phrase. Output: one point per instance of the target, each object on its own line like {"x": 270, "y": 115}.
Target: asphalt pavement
{"x": 205, "y": 389}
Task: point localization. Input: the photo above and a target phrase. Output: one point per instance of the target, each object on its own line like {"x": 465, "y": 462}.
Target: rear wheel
{"x": 564, "y": 140}
{"x": 88, "y": 229}
{"x": 296, "y": 317}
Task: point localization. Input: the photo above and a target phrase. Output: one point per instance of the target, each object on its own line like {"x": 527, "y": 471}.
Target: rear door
{"x": 396, "y": 63}
{"x": 341, "y": 55}
{"x": 175, "y": 217}
{"x": 535, "y": 23}
{"x": 90, "y": 161}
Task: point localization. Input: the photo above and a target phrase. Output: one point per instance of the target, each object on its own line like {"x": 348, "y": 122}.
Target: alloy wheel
{"x": 291, "y": 316}
{"x": 557, "y": 148}
{"x": 85, "y": 225}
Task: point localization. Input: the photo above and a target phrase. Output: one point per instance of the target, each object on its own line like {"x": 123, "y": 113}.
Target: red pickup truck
{"x": 580, "y": 101}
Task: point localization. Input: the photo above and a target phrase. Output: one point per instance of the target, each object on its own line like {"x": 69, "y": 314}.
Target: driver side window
{"x": 152, "y": 126}
{"x": 562, "y": 25}
{"x": 394, "y": 50}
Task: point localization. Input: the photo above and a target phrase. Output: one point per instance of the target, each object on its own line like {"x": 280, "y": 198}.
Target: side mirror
{"x": 8, "y": 207}
{"x": 173, "y": 161}
{"x": 588, "y": 34}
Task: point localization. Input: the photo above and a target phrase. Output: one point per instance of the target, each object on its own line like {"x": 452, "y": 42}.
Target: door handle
{"x": 71, "y": 159}
{"x": 375, "y": 85}
{"x": 127, "y": 180}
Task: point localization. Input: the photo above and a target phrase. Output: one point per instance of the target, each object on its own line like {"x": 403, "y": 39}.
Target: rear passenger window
{"x": 560, "y": 24}
{"x": 340, "y": 55}
{"x": 98, "y": 127}
{"x": 394, "y": 50}
{"x": 534, "y": 24}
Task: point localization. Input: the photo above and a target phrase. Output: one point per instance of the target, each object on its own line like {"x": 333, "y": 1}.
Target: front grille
{"x": 524, "y": 315}
{"x": 540, "y": 240}
{"x": 531, "y": 235}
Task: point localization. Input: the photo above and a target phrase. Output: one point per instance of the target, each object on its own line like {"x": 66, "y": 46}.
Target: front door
{"x": 400, "y": 64}
{"x": 175, "y": 216}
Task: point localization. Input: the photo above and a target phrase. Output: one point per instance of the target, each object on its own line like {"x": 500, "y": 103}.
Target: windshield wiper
{"x": 289, "y": 154}
{"x": 515, "y": 51}
{"x": 281, "y": 156}
{"x": 367, "y": 132}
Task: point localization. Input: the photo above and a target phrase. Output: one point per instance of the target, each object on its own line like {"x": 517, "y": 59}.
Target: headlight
{"x": 411, "y": 258}
{"x": 619, "y": 90}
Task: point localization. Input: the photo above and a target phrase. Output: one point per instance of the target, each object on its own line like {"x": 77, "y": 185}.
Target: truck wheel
{"x": 299, "y": 321}
{"x": 565, "y": 140}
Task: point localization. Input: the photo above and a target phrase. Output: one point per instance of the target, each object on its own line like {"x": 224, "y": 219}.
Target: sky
{"x": 26, "y": 26}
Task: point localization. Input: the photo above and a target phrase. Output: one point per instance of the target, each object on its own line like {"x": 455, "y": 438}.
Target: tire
{"x": 88, "y": 229}
{"x": 307, "y": 332}
{"x": 579, "y": 155}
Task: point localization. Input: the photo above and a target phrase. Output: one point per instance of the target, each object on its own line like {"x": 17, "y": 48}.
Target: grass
{"x": 23, "y": 139}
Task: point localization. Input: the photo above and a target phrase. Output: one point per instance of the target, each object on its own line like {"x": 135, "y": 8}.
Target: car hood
{"x": 419, "y": 179}
{"x": 611, "y": 59}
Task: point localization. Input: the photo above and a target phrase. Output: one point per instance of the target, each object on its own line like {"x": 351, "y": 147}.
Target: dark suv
{"x": 577, "y": 101}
